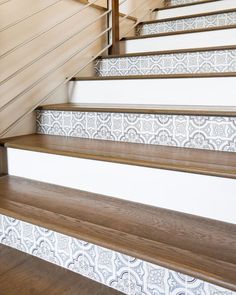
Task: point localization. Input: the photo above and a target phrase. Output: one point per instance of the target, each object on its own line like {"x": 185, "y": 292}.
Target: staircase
{"x": 132, "y": 183}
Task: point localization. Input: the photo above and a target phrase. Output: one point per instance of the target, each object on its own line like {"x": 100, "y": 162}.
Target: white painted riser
{"x": 207, "y": 196}
{"x": 195, "y": 9}
{"x": 189, "y": 91}
{"x": 182, "y": 41}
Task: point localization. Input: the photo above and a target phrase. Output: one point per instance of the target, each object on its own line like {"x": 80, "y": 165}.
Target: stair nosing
{"x": 177, "y": 164}
{"x": 161, "y": 76}
{"x": 187, "y": 16}
{"x": 166, "y": 34}
{"x": 160, "y": 261}
{"x": 185, "y": 4}
{"x": 143, "y": 109}
{"x": 155, "y": 251}
{"x": 166, "y": 52}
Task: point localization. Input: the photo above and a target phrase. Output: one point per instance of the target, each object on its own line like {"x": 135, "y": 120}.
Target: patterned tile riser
{"x": 221, "y": 61}
{"x": 179, "y": 2}
{"x": 129, "y": 275}
{"x": 210, "y": 21}
{"x": 201, "y": 132}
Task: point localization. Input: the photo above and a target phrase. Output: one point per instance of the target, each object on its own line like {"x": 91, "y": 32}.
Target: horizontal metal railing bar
{"x": 28, "y": 16}
{"x": 139, "y": 20}
{"x": 54, "y": 90}
{"x": 52, "y": 70}
{"x": 132, "y": 11}
{"x": 52, "y": 49}
{"x": 5, "y": 1}
{"x": 45, "y": 31}
{"x": 122, "y": 2}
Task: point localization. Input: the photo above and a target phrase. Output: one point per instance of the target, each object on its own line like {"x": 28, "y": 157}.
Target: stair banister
{"x": 113, "y": 21}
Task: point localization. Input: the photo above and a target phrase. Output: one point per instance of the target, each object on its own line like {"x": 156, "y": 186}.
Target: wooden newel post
{"x": 114, "y": 23}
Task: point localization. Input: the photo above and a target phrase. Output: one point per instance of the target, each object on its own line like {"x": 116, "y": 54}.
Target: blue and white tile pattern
{"x": 200, "y": 132}
{"x": 180, "y": 2}
{"x": 129, "y": 275}
{"x": 215, "y": 61}
{"x": 184, "y": 24}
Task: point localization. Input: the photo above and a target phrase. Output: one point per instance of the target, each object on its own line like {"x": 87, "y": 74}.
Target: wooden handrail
{"x": 113, "y": 20}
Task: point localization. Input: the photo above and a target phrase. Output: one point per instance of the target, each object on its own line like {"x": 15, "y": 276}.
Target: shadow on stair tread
{"x": 23, "y": 274}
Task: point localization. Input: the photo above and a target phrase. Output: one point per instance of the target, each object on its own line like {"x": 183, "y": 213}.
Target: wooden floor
{"x": 206, "y": 162}
{"x": 197, "y": 246}
{"x": 22, "y": 274}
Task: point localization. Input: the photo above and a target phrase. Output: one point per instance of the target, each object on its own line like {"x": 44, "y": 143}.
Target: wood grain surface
{"x": 200, "y": 247}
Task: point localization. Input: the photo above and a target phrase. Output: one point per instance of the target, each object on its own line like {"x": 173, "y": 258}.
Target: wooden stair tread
{"x": 182, "y": 32}
{"x": 187, "y": 16}
{"x": 160, "y": 76}
{"x": 200, "y": 247}
{"x": 185, "y": 4}
{"x": 215, "y": 163}
{"x": 142, "y": 109}
{"x": 23, "y": 274}
{"x": 166, "y": 52}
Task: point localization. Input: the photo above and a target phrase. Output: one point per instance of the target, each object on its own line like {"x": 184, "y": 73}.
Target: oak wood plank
{"x": 172, "y": 51}
{"x": 33, "y": 276}
{"x": 142, "y": 109}
{"x": 197, "y": 246}
{"x": 160, "y": 76}
{"x": 214, "y": 163}
{"x": 6, "y": 264}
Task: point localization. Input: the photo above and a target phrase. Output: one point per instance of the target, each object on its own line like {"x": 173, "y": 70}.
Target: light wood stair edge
{"x": 184, "y": 32}
{"x": 181, "y": 260}
{"x": 142, "y": 109}
{"x": 187, "y": 16}
{"x": 185, "y": 4}
{"x": 196, "y": 161}
{"x": 160, "y": 76}
{"x": 166, "y": 52}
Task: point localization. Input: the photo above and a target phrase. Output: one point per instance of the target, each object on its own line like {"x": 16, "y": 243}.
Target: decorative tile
{"x": 127, "y": 274}
{"x": 121, "y": 276}
{"x": 179, "y": 2}
{"x": 200, "y": 132}
{"x": 177, "y": 283}
{"x": 215, "y": 290}
{"x": 183, "y": 24}
{"x": 20, "y": 235}
{"x": 196, "y": 287}
{"x": 155, "y": 279}
{"x": 214, "y": 61}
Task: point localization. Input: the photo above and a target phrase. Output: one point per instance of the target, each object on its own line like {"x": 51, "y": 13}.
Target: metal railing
{"x": 4, "y": 1}
{"x": 112, "y": 32}
{"x": 27, "y": 16}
